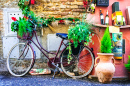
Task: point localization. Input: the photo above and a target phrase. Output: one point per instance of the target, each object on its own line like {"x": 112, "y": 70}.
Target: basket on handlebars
{"x": 25, "y": 36}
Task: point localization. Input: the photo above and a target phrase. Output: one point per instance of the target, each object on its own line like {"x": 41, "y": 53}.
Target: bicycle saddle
{"x": 62, "y": 35}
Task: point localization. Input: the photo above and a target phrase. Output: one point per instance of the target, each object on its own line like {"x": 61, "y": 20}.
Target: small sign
{"x": 113, "y": 29}
{"x": 117, "y": 45}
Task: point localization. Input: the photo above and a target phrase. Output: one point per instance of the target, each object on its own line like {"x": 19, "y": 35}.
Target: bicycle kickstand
{"x": 56, "y": 70}
{"x": 54, "y": 73}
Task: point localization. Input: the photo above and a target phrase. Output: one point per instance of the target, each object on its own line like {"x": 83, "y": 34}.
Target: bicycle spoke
{"x": 20, "y": 59}
{"x": 81, "y": 63}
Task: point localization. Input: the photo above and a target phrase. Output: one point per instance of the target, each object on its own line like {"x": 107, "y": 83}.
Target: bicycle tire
{"x": 20, "y": 59}
{"x": 78, "y": 67}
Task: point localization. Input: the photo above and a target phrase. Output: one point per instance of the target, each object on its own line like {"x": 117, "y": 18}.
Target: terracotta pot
{"x": 105, "y": 68}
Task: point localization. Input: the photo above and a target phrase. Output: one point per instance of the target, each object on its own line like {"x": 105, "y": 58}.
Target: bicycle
{"x": 80, "y": 65}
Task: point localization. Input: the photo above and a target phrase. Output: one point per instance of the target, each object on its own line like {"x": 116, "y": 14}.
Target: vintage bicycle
{"x": 80, "y": 65}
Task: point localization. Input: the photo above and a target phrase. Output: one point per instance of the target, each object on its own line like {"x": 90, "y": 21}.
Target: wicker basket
{"x": 25, "y": 36}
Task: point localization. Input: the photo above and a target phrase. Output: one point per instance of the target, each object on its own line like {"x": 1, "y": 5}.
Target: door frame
{"x": 6, "y": 19}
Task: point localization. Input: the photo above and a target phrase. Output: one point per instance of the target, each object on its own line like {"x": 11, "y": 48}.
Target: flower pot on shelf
{"x": 105, "y": 68}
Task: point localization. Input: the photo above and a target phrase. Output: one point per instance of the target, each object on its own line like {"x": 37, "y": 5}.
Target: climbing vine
{"x": 27, "y": 26}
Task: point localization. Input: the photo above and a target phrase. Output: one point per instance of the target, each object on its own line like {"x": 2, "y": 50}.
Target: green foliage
{"x": 21, "y": 5}
{"x": 47, "y": 21}
{"x": 21, "y": 26}
{"x": 128, "y": 64}
{"x": 70, "y": 19}
{"x": 106, "y": 42}
{"x": 14, "y": 26}
{"x": 26, "y": 11}
{"x": 80, "y": 32}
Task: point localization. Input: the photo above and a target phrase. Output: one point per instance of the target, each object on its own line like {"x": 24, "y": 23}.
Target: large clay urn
{"x": 105, "y": 67}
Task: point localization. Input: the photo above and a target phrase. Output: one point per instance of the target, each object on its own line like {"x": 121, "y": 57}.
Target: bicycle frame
{"x": 39, "y": 46}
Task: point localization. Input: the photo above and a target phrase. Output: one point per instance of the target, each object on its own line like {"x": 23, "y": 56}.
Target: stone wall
{"x": 59, "y": 8}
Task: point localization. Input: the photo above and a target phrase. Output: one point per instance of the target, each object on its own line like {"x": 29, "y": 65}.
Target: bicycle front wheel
{"x": 80, "y": 65}
{"x": 20, "y": 59}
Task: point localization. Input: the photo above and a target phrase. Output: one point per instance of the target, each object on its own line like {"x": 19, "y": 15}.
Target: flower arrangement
{"x": 81, "y": 32}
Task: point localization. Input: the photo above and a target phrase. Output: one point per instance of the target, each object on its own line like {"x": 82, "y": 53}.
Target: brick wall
{"x": 59, "y": 8}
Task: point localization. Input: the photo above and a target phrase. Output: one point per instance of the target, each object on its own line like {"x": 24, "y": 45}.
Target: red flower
{"x": 85, "y": 4}
{"x": 73, "y": 20}
{"x": 33, "y": 2}
{"x": 61, "y": 21}
{"x": 25, "y": 17}
{"x": 14, "y": 18}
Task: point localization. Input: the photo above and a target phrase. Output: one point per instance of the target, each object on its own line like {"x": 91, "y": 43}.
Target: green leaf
{"x": 106, "y": 42}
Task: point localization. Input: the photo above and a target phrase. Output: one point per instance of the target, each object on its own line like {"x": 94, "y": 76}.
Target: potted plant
{"x": 23, "y": 26}
{"x": 105, "y": 68}
{"x": 80, "y": 32}
{"x": 127, "y": 66}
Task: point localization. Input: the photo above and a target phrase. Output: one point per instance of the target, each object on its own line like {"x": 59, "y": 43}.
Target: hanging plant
{"x": 81, "y": 32}
{"x": 22, "y": 26}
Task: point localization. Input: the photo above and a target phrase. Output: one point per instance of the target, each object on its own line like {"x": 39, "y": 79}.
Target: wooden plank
{"x": 99, "y": 25}
{"x": 126, "y": 26}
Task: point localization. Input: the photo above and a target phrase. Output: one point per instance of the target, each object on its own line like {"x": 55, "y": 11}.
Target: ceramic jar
{"x": 105, "y": 67}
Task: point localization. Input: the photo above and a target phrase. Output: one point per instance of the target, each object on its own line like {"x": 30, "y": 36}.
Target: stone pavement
{"x": 60, "y": 77}
{"x": 46, "y": 80}
{"x": 3, "y": 67}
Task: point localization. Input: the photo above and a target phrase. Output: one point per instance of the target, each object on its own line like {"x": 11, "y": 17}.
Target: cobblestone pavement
{"x": 46, "y": 80}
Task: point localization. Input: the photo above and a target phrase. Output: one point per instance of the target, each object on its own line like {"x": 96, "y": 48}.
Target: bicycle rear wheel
{"x": 20, "y": 59}
{"x": 80, "y": 65}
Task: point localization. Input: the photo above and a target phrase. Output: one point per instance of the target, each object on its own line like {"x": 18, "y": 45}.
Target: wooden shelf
{"x": 99, "y": 25}
{"x": 126, "y": 26}
{"x": 104, "y": 26}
